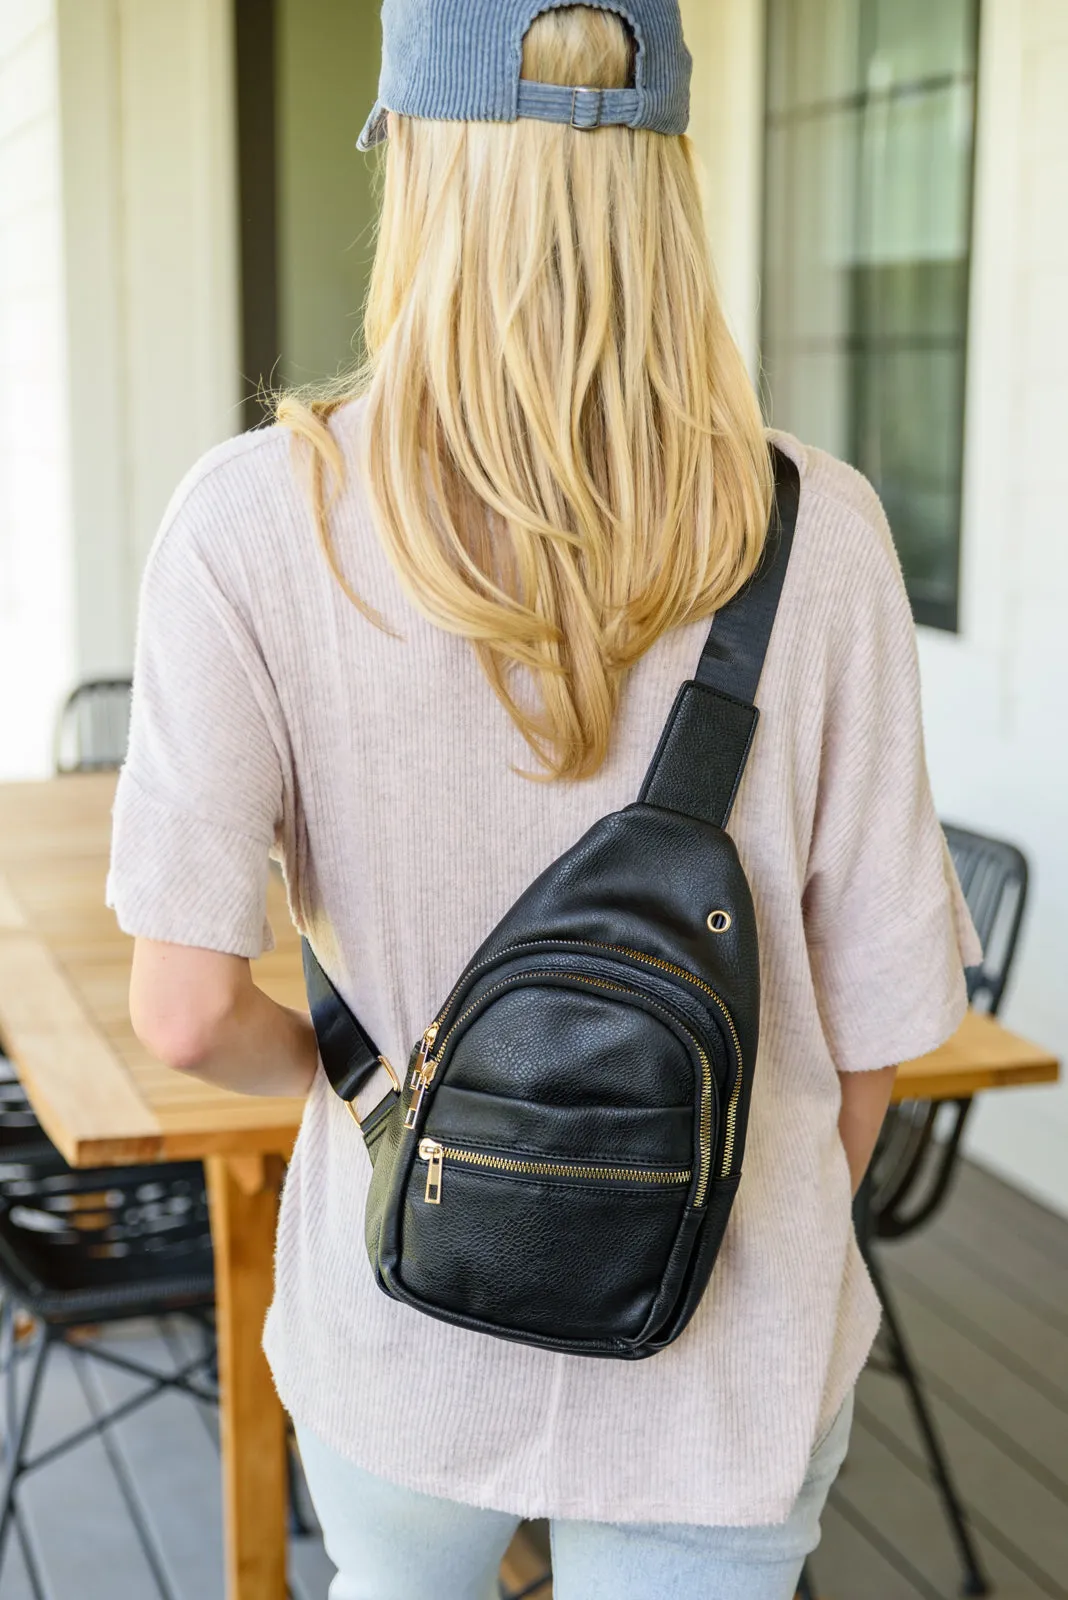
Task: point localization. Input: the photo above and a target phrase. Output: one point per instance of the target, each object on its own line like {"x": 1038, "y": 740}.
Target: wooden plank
{"x": 981, "y": 1055}
{"x": 177, "y": 1485}
{"x": 981, "y": 1193}
{"x": 1022, "y": 1526}
{"x": 14, "y": 1576}
{"x": 79, "y": 1089}
{"x": 12, "y": 916}
{"x": 524, "y": 1563}
{"x": 848, "y": 1565}
{"x": 79, "y": 1523}
{"x": 253, "y": 1426}
{"x": 1013, "y": 1263}
{"x": 887, "y": 1494}
{"x": 988, "y": 1314}
{"x": 972, "y": 1381}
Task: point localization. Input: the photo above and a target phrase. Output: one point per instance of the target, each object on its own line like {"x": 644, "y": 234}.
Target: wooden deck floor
{"x": 984, "y": 1294}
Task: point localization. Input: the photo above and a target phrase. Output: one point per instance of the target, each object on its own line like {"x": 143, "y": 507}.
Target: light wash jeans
{"x": 393, "y": 1544}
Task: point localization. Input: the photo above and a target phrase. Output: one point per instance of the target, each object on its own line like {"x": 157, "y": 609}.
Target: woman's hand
{"x": 865, "y": 1098}
{"x": 201, "y": 1013}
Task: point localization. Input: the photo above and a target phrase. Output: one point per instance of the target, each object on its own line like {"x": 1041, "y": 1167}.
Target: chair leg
{"x": 975, "y": 1580}
{"x": 19, "y": 1438}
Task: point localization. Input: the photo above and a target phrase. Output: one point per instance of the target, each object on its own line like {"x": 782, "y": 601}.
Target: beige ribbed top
{"x": 267, "y": 711}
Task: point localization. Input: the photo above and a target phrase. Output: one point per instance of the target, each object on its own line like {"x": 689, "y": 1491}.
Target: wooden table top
{"x": 64, "y": 975}
{"x": 64, "y": 978}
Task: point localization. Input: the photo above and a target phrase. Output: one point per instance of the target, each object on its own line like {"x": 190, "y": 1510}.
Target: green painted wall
{"x": 327, "y": 75}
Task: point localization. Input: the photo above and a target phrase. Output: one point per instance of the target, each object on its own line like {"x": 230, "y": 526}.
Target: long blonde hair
{"x": 564, "y": 453}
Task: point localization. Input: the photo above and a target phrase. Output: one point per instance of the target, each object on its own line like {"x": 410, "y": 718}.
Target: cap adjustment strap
{"x": 582, "y": 108}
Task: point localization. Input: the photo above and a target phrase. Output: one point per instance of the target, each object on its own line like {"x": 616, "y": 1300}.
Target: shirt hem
{"x": 306, "y": 1411}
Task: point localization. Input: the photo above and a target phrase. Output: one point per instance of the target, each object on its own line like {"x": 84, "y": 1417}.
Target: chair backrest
{"x": 71, "y": 1240}
{"x": 917, "y": 1155}
{"x": 993, "y": 875}
{"x": 94, "y": 727}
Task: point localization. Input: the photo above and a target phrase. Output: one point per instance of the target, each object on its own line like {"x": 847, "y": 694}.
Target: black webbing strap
{"x": 703, "y": 751}
{"x": 349, "y": 1055}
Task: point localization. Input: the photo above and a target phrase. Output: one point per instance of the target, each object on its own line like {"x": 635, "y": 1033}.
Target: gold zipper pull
{"x": 419, "y": 1068}
{"x": 413, "y": 1110}
{"x": 420, "y": 1076}
{"x": 433, "y": 1154}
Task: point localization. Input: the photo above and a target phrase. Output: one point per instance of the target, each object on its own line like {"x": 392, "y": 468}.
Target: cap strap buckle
{"x": 586, "y": 114}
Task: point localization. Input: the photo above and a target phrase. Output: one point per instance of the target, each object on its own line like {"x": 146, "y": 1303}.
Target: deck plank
{"x": 74, "y": 1510}
{"x": 969, "y": 1380}
{"x": 1015, "y": 1516}
{"x": 848, "y": 1566}
{"x": 178, "y": 1487}
{"x": 986, "y": 1331}
{"x": 987, "y": 1314}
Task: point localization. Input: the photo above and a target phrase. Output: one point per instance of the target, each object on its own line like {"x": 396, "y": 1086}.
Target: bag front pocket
{"x": 525, "y": 1241}
{"x": 435, "y": 1155}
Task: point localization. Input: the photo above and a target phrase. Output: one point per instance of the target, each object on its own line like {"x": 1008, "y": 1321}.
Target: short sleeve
{"x": 887, "y": 928}
{"x": 199, "y": 799}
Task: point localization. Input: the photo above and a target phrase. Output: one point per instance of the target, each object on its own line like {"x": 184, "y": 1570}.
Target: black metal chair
{"x": 94, "y": 1248}
{"x": 918, "y": 1152}
{"x": 94, "y": 726}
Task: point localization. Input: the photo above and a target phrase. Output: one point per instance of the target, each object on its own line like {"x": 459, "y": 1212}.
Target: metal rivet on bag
{"x": 719, "y": 921}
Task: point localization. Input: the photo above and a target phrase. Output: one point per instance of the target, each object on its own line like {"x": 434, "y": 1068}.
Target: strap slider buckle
{"x": 395, "y": 1083}
{"x": 586, "y": 113}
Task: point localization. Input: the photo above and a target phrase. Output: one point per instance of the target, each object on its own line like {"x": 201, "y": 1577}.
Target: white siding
{"x": 997, "y": 696}
{"x": 150, "y": 193}
{"x": 35, "y": 578}
{"x": 118, "y": 321}
{"x": 726, "y": 38}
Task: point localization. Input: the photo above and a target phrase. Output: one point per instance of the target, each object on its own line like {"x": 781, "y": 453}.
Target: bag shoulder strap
{"x": 696, "y": 770}
{"x": 704, "y": 749}
{"x": 350, "y": 1056}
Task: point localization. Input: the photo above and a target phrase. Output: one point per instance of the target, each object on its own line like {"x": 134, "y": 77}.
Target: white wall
{"x": 150, "y": 194}
{"x": 996, "y": 696}
{"x": 726, "y": 38}
{"x": 119, "y": 358}
{"x": 36, "y": 652}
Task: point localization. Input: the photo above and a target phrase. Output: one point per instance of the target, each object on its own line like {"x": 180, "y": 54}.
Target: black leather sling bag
{"x": 561, "y": 1164}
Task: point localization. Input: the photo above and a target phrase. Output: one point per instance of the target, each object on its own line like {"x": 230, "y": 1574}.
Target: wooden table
{"x": 64, "y": 973}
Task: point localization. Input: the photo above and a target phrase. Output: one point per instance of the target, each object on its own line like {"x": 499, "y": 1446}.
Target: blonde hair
{"x": 563, "y": 450}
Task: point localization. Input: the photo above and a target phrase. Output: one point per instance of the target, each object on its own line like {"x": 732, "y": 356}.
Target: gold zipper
{"x": 705, "y": 1124}
{"x": 427, "y": 1066}
{"x": 420, "y": 1079}
{"x": 434, "y": 1155}
{"x": 731, "y": 1119}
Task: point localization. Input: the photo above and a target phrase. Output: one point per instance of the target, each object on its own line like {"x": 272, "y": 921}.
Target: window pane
{"x": 870, "y": 128}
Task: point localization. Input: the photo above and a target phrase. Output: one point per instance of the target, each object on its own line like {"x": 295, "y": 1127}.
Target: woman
{"x": 416, "y": 639}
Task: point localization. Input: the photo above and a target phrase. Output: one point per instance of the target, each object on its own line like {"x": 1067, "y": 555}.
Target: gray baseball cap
{"x": 460, "y": 61}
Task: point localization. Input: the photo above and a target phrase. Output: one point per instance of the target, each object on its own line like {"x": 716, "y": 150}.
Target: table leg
{"x": 243, "y": 1193}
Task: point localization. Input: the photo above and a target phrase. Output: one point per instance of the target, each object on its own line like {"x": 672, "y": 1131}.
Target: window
{"x": 868, "y": 196}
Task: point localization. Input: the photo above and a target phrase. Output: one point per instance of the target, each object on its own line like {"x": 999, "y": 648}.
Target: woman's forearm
{"x": 260, "y": 1048}
{"x": 200, "y": 1013}
{"x": 865, "y": 1099}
